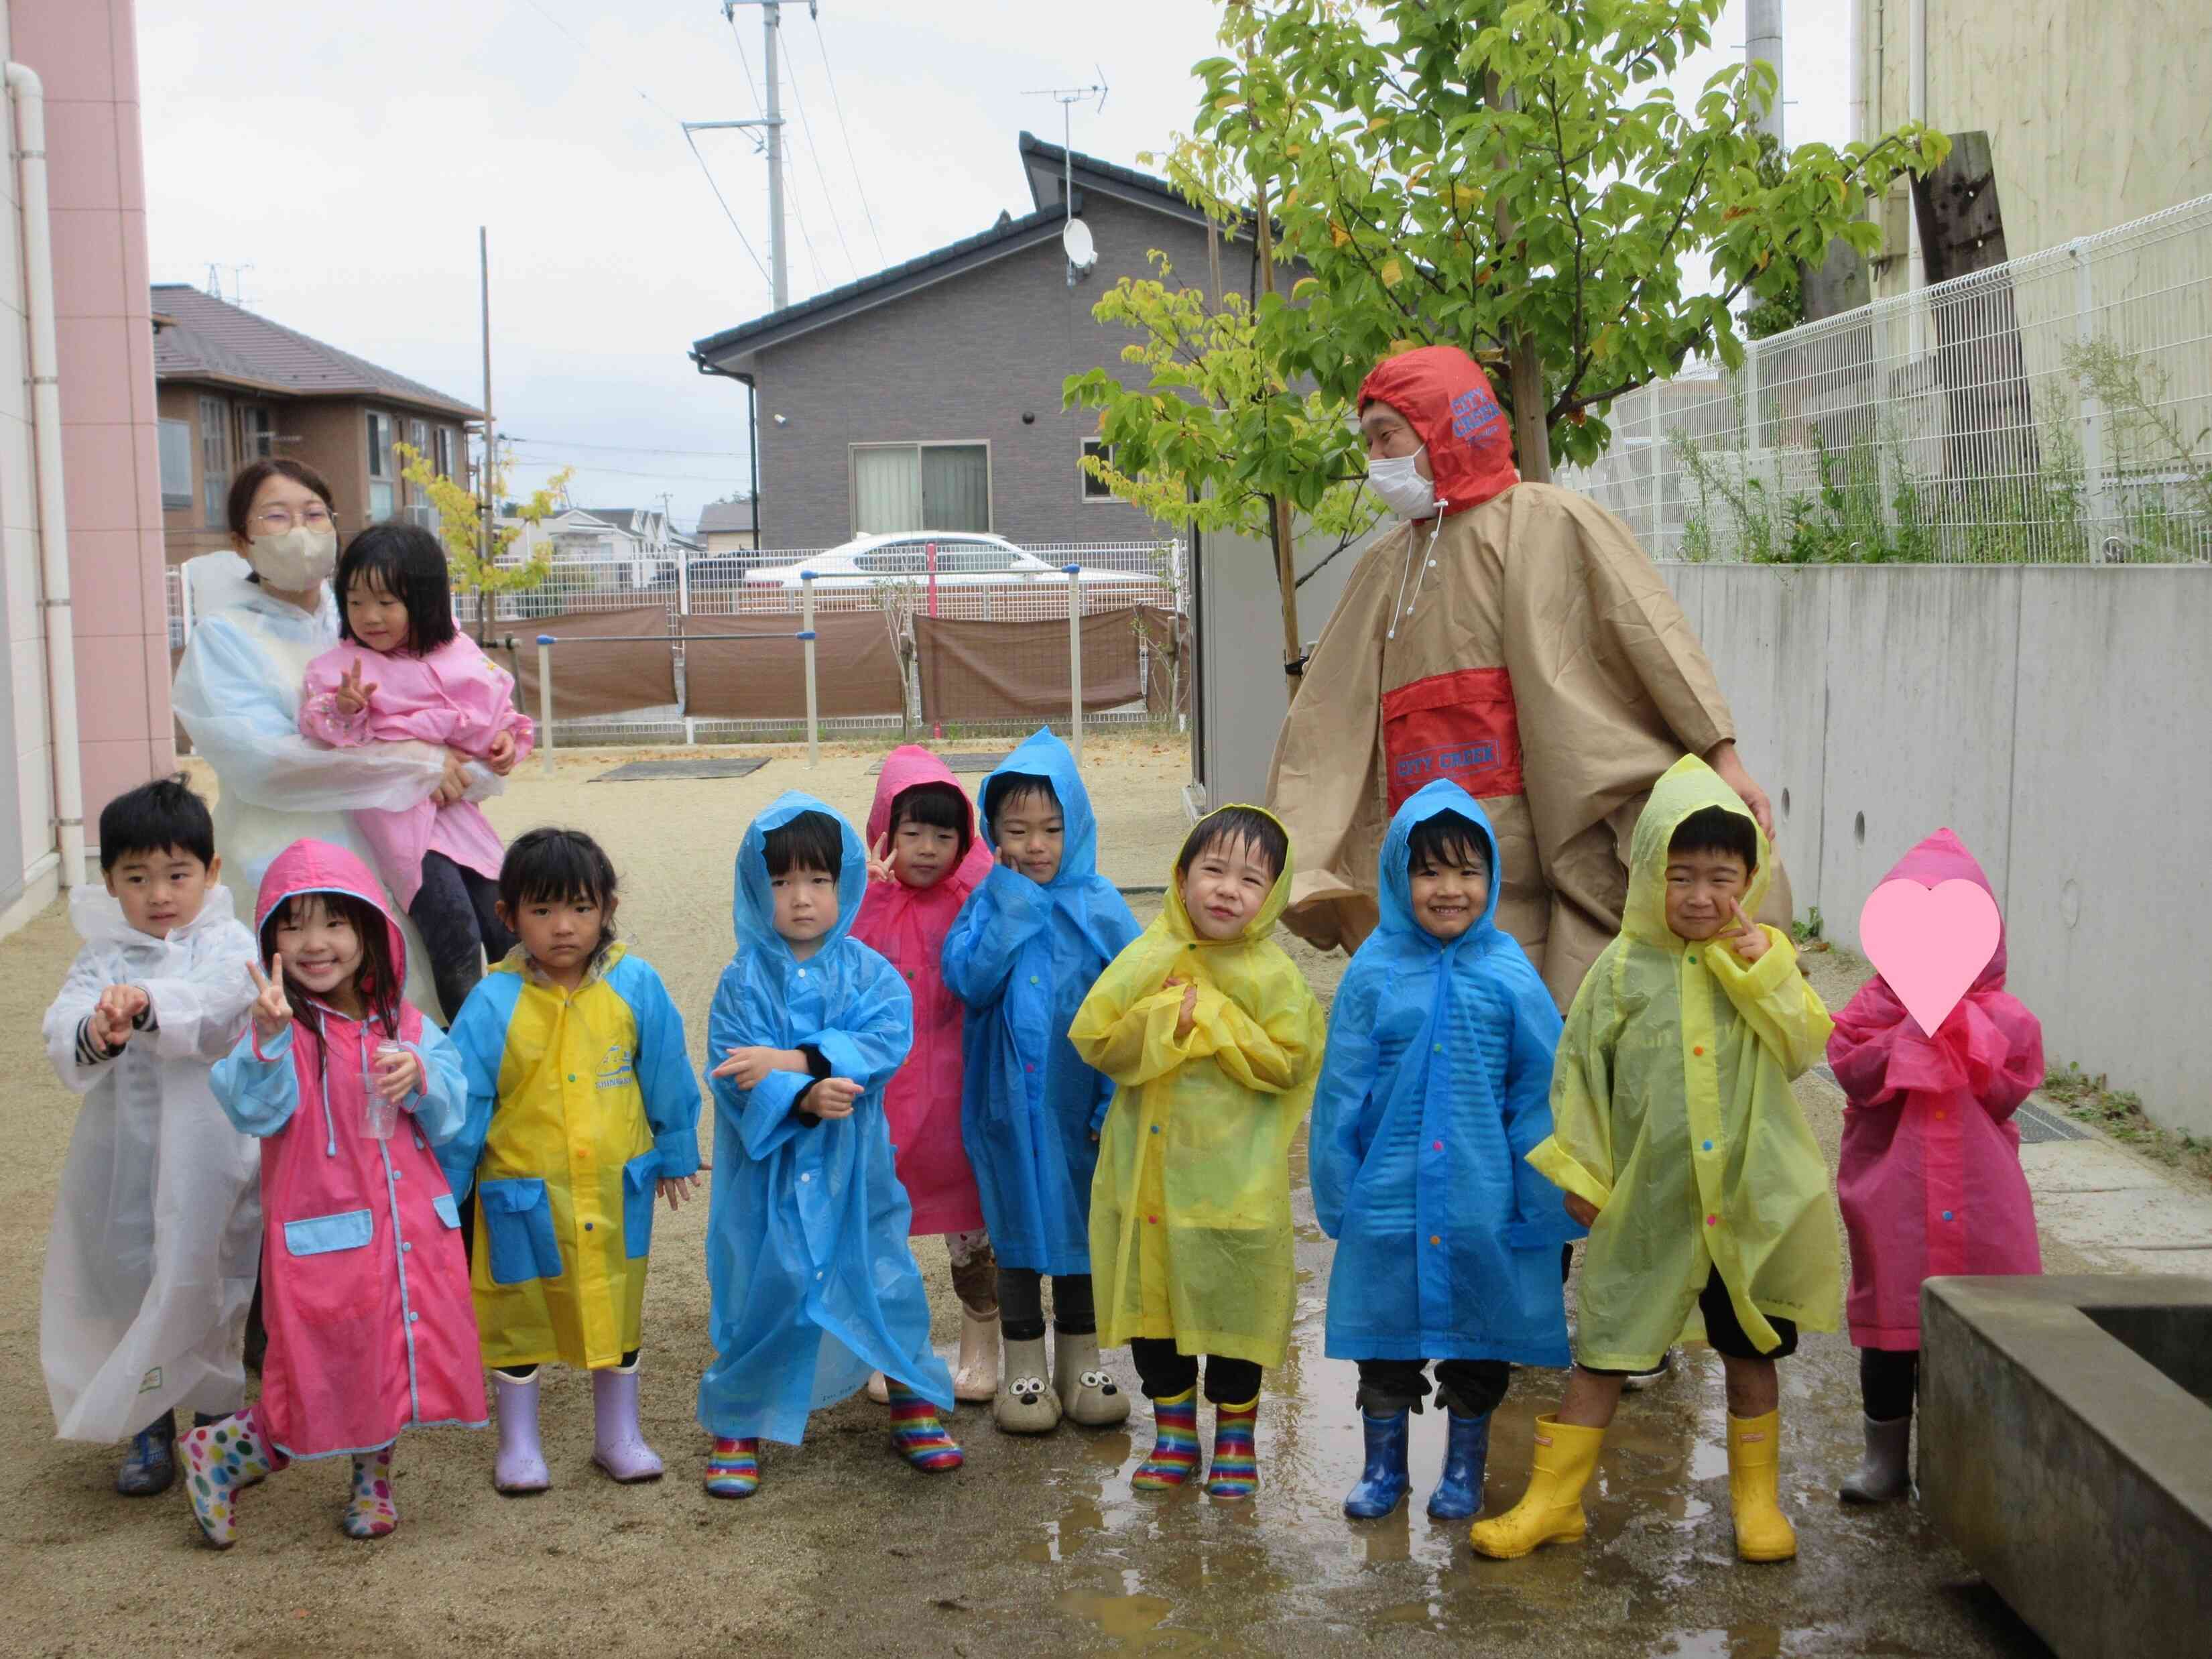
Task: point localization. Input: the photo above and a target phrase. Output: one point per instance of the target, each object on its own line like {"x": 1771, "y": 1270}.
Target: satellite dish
{"x": 1076, "y": 238}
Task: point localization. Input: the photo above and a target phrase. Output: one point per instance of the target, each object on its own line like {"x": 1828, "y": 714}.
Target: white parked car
{"x": 965, "y": 561}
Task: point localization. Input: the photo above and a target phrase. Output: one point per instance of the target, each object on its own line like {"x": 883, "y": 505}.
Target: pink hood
{"x": 1943, "y": 857}
{"x": 316, "y": 866}
{"x": 905, "y": 768}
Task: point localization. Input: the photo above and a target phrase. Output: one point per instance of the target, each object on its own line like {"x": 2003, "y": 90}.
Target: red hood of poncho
{"x": 1446, "y": 398}
{"x": 1943, "y": 857}
{"x": 316, "y": 866}
{"x": 905, "y": 768}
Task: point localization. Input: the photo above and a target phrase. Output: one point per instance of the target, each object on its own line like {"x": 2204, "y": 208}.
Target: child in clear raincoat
{"x": 582, "y": 1109}
{"x": 157, "y": 1235}
{"x": 1034, "y": 937}
{"x": 813, "y": 1283}
{"x": 1215, "y": 1039}
{"x": 925, "y": 859}
{"x": 1929, "y": 1178}
{"x": 403, "y": 673}
{"x": 1678, "y": 1141}
{"x": 363, "y": 1283}
{"x": 1440, "y": 1051}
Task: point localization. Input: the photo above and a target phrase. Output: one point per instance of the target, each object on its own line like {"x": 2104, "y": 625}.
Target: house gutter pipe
{"x": 29, "y": 98}
{"x": 752, "y": 422}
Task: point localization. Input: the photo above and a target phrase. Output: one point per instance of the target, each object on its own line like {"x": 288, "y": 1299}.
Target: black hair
{"x": 1447, "y": 839}
{"x": 1717, "y": 829}
{"x": 811, "y": 840}
{"x": 1008, "y": 789}
{"x": 377, "y": 979}
{"x": 1235, "y": 825}
{"x": 408, "y": 562}
{"x": 154, "y": 817}
{"x": 939, "y": 805}
{"x": 551, "y": 866}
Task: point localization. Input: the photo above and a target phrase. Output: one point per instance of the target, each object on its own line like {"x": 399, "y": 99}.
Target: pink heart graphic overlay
{"x": 1930, "y": 943}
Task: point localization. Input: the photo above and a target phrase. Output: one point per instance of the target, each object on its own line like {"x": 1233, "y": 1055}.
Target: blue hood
{"x": 752, "y": 903}
{"x": 1043, "y": 756}
{"x": 1395, "y": 885}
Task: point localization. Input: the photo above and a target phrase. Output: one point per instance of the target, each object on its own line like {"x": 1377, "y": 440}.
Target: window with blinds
{"x": 214, "y": 461}
{"x": 933, "y": 486}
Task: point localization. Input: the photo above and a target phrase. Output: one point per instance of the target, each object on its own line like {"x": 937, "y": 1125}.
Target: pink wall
{"x": 86, "y": 53}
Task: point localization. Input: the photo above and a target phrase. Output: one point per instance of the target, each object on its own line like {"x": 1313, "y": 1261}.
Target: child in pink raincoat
{"x": 401, "y": 672}
{"x": 364, "y": 1285}
{"x": 925, "y": 859}
{"x": 1929, "y": 1178}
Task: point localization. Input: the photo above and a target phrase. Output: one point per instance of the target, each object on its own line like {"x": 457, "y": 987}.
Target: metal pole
{"x": 779, "y": 282}
{"x": 491, "y": 492}
{"x": 546, "y": 702}
{"x": 1075, "y": 661}
{"x": 806, "y": 634}
{"x": 937, "y": 727}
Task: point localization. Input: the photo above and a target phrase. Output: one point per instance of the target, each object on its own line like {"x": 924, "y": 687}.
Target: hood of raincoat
{"x": 908, "y": 767}
{"x": 316, "y": 866}
{"x": 1446, "y": 398}
{"x": 97, "y": 915}
{"x": 752, "y": 903}
{"x": 1042, "y": 755}
{"x": 1943, "y": 857}
{"x": 1395, "y": 882}
{"x": 1262, "y": 924}
{"x": 1688, "y": 786}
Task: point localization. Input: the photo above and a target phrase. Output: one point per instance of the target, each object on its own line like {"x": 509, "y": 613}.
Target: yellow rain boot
{"x": 1551, "y": 1510}
{"x": 1763, "y": 1533}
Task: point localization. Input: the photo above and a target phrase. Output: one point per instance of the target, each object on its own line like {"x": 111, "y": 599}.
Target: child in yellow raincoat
{"x": 1215, "y": 1041}
{"x": 1678, "y": 1140}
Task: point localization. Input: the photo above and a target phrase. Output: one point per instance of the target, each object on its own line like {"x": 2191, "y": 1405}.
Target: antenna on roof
{"x": 1075, "y": 238}
{"x": 237, "y": 295}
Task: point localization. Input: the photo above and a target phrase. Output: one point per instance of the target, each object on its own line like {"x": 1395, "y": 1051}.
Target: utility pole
{"x": 771, "y": 24}
{"x": 491, "y": 448}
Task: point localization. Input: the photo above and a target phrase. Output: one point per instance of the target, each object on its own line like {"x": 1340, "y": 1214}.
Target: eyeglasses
{"x": 278, "y": 520}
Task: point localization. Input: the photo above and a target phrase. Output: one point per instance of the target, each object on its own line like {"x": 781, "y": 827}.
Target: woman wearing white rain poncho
{"x": 238, "y": 695}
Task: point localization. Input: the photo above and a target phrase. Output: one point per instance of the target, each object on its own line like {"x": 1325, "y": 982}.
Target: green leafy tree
{"x": 473, "y": 566}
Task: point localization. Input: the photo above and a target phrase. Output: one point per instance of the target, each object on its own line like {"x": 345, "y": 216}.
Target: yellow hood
{"x": 1688, "y": 786}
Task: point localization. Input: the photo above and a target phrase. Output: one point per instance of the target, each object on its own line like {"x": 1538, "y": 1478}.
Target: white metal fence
{"x": 2055, "y": 409}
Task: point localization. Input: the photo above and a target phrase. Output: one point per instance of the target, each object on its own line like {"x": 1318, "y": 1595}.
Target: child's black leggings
{"x": 453, "y": 911}
{"x": 1887, "y": 1380}
{"x": 1021, "y": 1304}
{"x": 1166, "y": 1371}
{"x": 1471, "y": 1388}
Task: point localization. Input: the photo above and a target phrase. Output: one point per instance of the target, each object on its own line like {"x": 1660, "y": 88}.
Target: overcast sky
{"x": 345, "y": 156}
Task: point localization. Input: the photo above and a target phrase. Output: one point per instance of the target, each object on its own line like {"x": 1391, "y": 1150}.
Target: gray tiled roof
{"x": 214, "y": 340}
{"x": 725, "y": 516}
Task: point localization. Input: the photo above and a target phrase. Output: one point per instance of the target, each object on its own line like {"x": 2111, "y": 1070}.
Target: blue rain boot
{"x": 151, "y": 1467}
{"x": 1382, "y": 1483}
{"x": 1466, "y": 1448}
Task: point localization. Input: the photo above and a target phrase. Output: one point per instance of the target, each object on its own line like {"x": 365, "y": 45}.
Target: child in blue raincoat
{"x": 812, "y": 1281}
{"x": 1435, "y": 1089}
{"x": 1031, "y": 940}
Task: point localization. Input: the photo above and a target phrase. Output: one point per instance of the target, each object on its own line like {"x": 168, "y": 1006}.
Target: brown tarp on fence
{"x": 997, "y": 670}
{"x": 613, "y": 676}
{"x": 856, "y": 671}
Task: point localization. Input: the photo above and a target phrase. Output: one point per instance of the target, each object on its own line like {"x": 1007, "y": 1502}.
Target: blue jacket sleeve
{"x": 878, "y": 1031}
{"x": 1540, "y": 1220}
{"x": 760, "y": 1117}
{"x": 1005, "y": 912}
{"x": 442, "y": 1107}
{"x": 664, "y": 1070}
{"x": 257, "y": 1088}
{"x": 479, "y": 1039}
{"x": 1337, "y": 1142}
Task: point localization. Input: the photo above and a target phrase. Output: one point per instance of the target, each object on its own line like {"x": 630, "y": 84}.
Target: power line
{"x": 620, "y": 449}
{"x": 838, "y": 104}
{"x": 742, "y": 241}
{"x": 815, "y": 155}
{"x": 821, "y": 277}
{"x": 619, "y": 472}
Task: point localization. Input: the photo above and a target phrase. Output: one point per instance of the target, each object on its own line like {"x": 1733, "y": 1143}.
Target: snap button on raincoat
{"x": 1432, "y": 1095}
{"x": 907, "y": 925}
{"x": 1672, "y": 1112}
{"x": 1190, "y": 1209}
{"x": 364, "y": 1288}
{"x": 157, "y": 1221}
{"x": 813, "y": 1284}
{"x": 1023, "y": 956}
{"x": 1929, "y": 1178}
{"x": 578, "y": 1105}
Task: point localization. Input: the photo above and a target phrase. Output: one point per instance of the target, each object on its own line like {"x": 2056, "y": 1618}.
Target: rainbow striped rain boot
{"x": 1174, "y": 1457}
{"x": 734, "y": 1467}
{"x": 918, "y": 1432}
{"x": 1236, "y": 1471}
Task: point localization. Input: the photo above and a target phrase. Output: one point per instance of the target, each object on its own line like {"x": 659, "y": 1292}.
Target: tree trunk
{"x": 1531, "y": 436}
{"x": 1279, "y": 510}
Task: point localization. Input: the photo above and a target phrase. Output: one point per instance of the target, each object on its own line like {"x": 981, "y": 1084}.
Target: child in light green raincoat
{"x": 1676, "y": 1137}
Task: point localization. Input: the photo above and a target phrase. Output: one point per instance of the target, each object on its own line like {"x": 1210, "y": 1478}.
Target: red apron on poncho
{"x": 908, "y": 926}
{"x": 1929, "y": 1178}
{"x": 369, "y": 1339}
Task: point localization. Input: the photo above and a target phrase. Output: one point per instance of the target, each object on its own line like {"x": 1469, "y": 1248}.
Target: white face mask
{"x": 1396, "y": 479}
{"x": 296, "y": 561}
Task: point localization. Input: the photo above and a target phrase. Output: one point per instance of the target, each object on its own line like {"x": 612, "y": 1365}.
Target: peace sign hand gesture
{"x": 1747, "y": 938}
{"x": 351, "y": 696}
{"x": 271, "y": 1011}
{"x": 883, "y": 860}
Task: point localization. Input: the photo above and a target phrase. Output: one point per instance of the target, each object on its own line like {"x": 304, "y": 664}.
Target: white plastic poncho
{"x": 157, "y": 1236}
{"x": 237, "y": 693}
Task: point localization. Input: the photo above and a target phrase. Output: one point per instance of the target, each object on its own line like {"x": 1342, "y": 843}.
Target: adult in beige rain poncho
{"x": 1513, "y": 638}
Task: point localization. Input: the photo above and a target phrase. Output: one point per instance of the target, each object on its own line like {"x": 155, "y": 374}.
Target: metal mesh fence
{"x": 2055, "y": 409}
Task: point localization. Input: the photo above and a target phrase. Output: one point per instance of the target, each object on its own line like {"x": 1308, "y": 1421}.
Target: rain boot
{"x": 1467, "y": 1449}
{"x": 150, "y": 1467}
{"x": 1763, "y": 1533}
{"x": 520, "y": 1468}
{"x": 1174, "y": 1456}
{"x": 370, "y": 1513}
{"x": 1236, "y": 1471}
{"x": 1025, "y": 1403}
{"x": 918, "y": 1432}
{"x": 734, "y": 1467}
{"x": 976, "y": 1373}
{"x": 1382, "y": 1483}
{"x": 1885, "y": 1474}
{"x": 879, "y": 1389}
{"x": 220, "y": 1461}
{"x": 1087, "y": 1394}
{"x": 1551, "y": 1510}
{"x": 617, "y": 1444}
